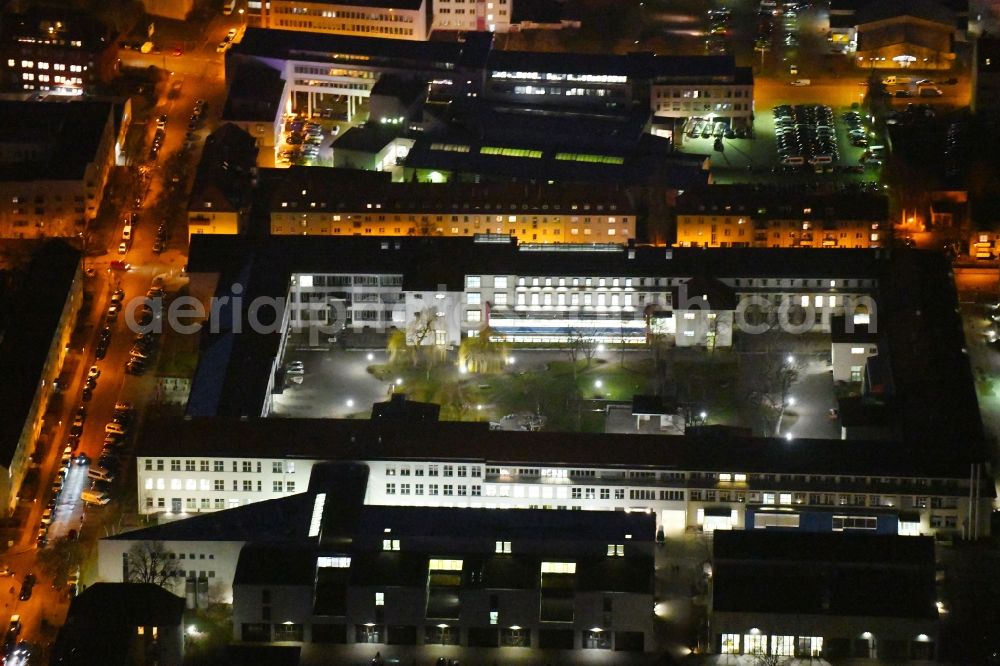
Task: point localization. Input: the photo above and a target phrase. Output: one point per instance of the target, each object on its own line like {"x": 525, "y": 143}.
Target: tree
{"x": 60, "y": 559}
{"x": 151, "y": 562}
{"x": 770, "y": 387}
{"x": 487, "y": 352}
{"x": 579, "y": 345}
{"x": 396, "y": 347}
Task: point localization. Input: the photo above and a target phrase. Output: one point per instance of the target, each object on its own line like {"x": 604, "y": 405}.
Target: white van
{"x": 100, "y": 474}
{"x": 127, "y": 232}
{"x": 94, "y": 497}
{"x": 897, "y": 80}
{"x": 821, "y": 159}
{"x": 795, "y": 160}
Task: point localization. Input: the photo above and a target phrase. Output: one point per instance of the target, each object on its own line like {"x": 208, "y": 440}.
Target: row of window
{"x": 219, "y": 485}
{"x": 447, "y": 489}
{"x": 660, "y": 93}
{"x": 245, "y": 466}
{"x": 347, "y": 27}
{"x": 435, "y": 470}
{"x": 58, "y": 66}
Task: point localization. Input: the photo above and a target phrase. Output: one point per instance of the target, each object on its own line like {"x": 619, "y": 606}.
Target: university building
{"x": 699, "y": 482}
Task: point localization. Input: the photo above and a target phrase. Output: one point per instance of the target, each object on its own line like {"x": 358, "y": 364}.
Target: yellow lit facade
{"x": 744, "y": 231}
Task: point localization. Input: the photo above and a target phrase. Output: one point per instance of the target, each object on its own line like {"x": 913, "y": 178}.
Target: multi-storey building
{"x": 35, "y": 328}
{"x": 833, "y": 596}
{"x": 532, "y": 213}
{"x": 744, "y": 216}
{"x": 701, "y": 483}
{"x": 52, "y": 182}
{"x": 315, "y": 66}
{"x": 56, "y": 51}
{"x": 466, "y": 15}
{"x": 462, "y": 576}
{"x": 219, "y": 202}
{"x": 547, "y": 292}
{"x": 393, "y": 19}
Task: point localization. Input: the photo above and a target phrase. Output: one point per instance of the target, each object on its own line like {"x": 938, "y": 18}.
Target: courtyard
{"x": 544, "y": 389}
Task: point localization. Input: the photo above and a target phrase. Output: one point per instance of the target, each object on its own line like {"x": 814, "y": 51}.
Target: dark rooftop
{"x": 72, "y": 136}
{"x": 318, "y": 189}
{"x": 782, "y": 203}
{"x": 225, "y": 171}
{"x": 102, "y": 621}
{"x": 824, "y": 574}
{"x": 881, "y": 10}
{"x": 25, "y": 343}
{"x": 356, "y": 440}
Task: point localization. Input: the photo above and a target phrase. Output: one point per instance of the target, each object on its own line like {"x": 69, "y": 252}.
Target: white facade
{"x": 192, "y": 485}
{"x": 213, "y": 563}
{"x": 466, "y": 15}
{"x": 344, "y": 18}
{"x": 680, "y": 500}
{"x": 849, "y": 360}
{"x": 730, "y": 101}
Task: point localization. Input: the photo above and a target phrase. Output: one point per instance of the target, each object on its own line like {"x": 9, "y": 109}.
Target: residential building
{"x": 171, "y": 9}
{"x": 220, "y": 198}
{"x": 39, "y": 312}
{"x": 56, "y": 51}
{"x": 122, "y": 624}
{"x": 391, "y": 19}
{"x": 833, "y": 596}
{"x": 52, "y": 182}
{"x": 701, "y": 481}
{"x": 334, "y": 206}
{"x": 746, "y": 216}
{"x": 986, "y": 77}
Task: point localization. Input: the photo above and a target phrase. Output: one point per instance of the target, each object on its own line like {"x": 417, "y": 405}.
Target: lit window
{"x": 857, "y": 350}
{"x": 473, "y": 298}
{"x": 380, "y": 598}
{"x": 725, "y": 477}
{"x": 390, "y": 544}
{"x": 334, "y": 562}
{"x": 444, "y": 565}
{"x": 559, "y": 567}
{"x": 503, "y": 547}
{"x": 473, "y": 316}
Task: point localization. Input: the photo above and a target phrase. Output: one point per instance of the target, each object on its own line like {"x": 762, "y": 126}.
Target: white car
{"x": 221, "y": 48}
{"x": 94, "y": 372}
{"x": 231, "y": 35}
{"x": 122, "y": 247}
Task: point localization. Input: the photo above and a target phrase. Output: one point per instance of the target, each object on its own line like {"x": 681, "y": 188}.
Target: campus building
{"x": 312, "y": 205}
{"x": 697, "y": 482}
{"x": 747, "y": 216}
{"x": 530, "y": 292}
{"x": 834, "y": 596}
{"x": 331, "y": 568}
{"x": 56, "y": 51}
{"x": 52, "y": 181}
{"x": 316, "y": 68}
{"x": 35, "y": 327}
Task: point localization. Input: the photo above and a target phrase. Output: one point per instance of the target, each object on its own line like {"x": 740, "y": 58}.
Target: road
{"x": 201, "y": 76}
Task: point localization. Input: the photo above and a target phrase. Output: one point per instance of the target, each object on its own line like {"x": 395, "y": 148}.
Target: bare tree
{"x": 770, "y": 387}
{"x": 60, "y": 559}
{"x": 151, "y": 562}
{"x": 579, "y": 345}
{"x": 762, "y": 658}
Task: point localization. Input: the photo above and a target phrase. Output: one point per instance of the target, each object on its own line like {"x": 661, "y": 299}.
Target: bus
{"x": 228, "y": 7}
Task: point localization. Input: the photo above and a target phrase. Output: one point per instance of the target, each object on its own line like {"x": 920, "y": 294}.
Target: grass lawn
{"x": 710, "y": 386}
{"x": 564, "y": 400}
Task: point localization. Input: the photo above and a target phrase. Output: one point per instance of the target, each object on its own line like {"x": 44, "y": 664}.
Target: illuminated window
{"x": 390, "y": 544}
{"x": 444, "y": 565}
{"x": 503, "y": 547}
{"x": 333, "y": 562}
{"x": 559, "y": 567}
